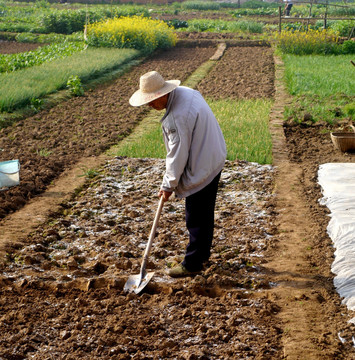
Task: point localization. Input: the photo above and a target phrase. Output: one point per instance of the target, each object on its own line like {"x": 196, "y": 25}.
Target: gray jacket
{"x": 196, "y": 150}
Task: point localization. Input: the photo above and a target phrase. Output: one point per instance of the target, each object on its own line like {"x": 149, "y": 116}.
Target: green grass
{"x": 323, "y": 87}
{"x": 244, "y": 124}
{"x": 151, "y": 145}
{"x": 145, "y": 142}
{"x": 18, "y": 88}
{"x": 319, "y": 75}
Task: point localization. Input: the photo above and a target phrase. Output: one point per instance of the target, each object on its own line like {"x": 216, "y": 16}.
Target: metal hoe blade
{"x": 136, "y": 283}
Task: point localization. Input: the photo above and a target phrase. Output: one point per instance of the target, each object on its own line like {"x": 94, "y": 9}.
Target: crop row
{"x": 13, "y": 62}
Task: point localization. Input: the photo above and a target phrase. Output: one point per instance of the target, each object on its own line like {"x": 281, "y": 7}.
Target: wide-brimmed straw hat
{"x": 152, "y": 86}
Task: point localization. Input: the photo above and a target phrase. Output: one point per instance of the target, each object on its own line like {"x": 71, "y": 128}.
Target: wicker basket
{"x": 343, "y": 141}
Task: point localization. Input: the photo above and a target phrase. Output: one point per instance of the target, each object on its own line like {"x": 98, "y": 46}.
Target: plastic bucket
{"x": 9, "y": 173}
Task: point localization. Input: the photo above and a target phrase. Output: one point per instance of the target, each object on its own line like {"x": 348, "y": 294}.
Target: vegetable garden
{"x": 267, "y": 291}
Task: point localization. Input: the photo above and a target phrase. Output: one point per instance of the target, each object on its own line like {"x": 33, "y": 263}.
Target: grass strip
{"x": 319, "y": 75}
{"x": 247, "y": 26}
{"x": 244, "y": 124}
{"x": 323, "y": 87}
{"x": 19, "y": 88}
{"x": 146, "y": 141}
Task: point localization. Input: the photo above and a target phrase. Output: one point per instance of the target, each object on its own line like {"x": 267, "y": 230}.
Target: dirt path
{"x": 305, "y": 293}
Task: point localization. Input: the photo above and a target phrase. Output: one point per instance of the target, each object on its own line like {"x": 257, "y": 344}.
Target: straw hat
{"x": 152, "y": 86}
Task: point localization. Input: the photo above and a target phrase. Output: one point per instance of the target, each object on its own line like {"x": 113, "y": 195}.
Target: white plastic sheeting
{"x": 338, "y": 186}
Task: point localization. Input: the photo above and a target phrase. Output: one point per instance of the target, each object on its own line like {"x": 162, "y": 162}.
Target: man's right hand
{"x": 164, "y": 194}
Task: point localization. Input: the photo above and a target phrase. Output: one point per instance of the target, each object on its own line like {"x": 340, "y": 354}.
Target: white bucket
{"x": 9, "y": 173}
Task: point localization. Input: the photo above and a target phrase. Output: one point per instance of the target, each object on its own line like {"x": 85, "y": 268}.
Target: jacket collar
{"x": 169, "y": 104}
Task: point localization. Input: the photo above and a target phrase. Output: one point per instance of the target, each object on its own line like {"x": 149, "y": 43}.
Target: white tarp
{"x": 338, "y": 187}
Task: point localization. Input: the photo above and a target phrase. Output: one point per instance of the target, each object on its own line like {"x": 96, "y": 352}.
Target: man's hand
{"x": 164, "y": 194}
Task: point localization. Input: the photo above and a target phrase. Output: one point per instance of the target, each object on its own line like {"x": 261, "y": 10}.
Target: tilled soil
{"x": 68, "y": 282}
{"x": 252, "y": 77}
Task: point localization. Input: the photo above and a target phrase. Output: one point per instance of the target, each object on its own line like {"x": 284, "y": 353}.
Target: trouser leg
{"x": 199, "y": 211}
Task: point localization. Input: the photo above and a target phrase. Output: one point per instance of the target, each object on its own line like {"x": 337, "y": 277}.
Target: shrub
{"x": 343, "y": 28}
{"x": 134, "y": 32}
{"x": 48, "y": 38}
{"x": 261, "y": 11}
{"x": 348, "y": 47}
{"x": 177, "y": 24}
{"x": 342, "y": 11}
{"x": 64, "y": 22}
{"x": 257, "y": 4}
{"x": 69, "y": 21}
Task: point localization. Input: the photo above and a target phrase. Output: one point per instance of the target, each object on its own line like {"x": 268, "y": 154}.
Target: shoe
{"x": 181, "y": 271}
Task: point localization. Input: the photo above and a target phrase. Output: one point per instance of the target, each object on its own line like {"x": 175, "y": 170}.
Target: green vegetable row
{"x": 13, "y": 62}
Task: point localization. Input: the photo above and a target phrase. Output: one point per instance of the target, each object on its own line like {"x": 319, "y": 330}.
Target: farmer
{"x": 288, "y": 7}
{"x": 196, "y": 154}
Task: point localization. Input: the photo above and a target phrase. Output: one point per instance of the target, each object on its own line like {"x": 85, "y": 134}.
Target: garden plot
{"x": 53, "y": 140}
{"x": 69, "y": 280}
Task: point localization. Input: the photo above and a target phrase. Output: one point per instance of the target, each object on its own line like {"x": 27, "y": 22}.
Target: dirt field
{"x": 61, "y": 289}
{"x": 12, "y": 47}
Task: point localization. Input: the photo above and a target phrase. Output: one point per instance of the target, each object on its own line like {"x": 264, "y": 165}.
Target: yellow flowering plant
{"x": 300, "y": 42}
{"x": 135, "y": 32}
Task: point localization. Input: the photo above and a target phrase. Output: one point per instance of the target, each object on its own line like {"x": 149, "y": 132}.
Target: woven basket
{"x": 343, "y": 141}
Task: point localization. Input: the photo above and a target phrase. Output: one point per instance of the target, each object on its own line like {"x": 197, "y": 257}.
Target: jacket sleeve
{"x": 177, "y": 141}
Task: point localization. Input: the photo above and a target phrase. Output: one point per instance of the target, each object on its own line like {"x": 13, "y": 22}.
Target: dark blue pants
{"x": 288, "y": 9}
{"x": 199, "y": 212}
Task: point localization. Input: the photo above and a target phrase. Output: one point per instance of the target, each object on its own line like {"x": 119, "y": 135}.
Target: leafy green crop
{"x": 75, "y": 86}
{"x": 222, "y": 25}
{"x": 13, "y": 62}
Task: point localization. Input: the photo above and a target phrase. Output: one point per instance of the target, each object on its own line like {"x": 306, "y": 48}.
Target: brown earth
{"x": 267, "y": 292}
{"x": 13, "y": 47}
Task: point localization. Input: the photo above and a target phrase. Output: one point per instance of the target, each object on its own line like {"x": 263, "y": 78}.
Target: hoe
{"x": 136, "y": 283}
